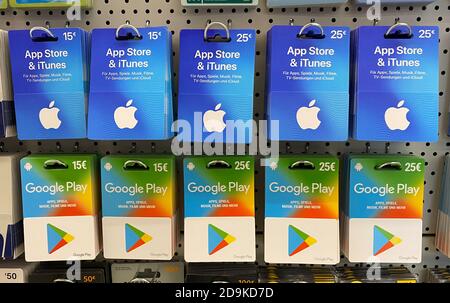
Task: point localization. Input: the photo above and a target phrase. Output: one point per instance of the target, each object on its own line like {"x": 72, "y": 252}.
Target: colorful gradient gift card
{"x": 60, "y": 206}
{"x": 139, "y": 207}
{"x": 219, "y": 208}
{"x": 301, "y": 210}
{"x": 383, "y": 213}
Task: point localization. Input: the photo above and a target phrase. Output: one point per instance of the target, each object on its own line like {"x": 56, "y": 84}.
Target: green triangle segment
{"x": 303, "y": 235}
{"x": 136, "y": 231}
{"x": 385, "y": 233}
{"x": 60, "y": 232}
{"x": 220, "y": 232}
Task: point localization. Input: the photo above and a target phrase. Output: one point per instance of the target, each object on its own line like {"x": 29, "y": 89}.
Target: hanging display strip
{"x": 171, "y": 13}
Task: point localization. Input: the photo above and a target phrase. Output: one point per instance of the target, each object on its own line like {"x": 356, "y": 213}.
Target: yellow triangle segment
{"x": 229, "y": 239}
{"x": 310, "y": 241}
{"x": 395, "y": 240}
{"x": 68, "y": 238}
{"x": 146, "y": 238}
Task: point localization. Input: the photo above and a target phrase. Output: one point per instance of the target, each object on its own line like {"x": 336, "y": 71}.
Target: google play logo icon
{"x": 135, "y": 238}
{"x": 298, "y": 240}
{"x": 383, "y": 240}
{"x": 57, "y": 238}
{"x": 218, "y": 239}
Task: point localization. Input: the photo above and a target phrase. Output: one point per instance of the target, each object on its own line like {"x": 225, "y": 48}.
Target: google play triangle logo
{"x": 298, "y": 240}
{"x": 218, "y": 239}
{"x": 135, "y": 238}
{"x": 383, "y": 240}
{"x": 57, "y": 238}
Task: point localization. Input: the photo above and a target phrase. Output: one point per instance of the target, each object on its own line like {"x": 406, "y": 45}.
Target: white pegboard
{"x": 108, "y": 13}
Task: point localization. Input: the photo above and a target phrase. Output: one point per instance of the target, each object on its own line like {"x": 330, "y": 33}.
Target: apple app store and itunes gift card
{"x": 131, "y": 90}
{"x": 216, "y": 81}
{"x": 396, "y": 83}
{"x": 308, "y": 82}
{"x": 49, "y": 80}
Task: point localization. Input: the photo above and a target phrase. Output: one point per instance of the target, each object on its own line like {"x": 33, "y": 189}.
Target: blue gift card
{"x": 308, "y": 82}
{"x": 216, "y": 82}
{"x": 50, "y": 83}
{"x": 396, "y": 83}
{"x": 131, "y": 90}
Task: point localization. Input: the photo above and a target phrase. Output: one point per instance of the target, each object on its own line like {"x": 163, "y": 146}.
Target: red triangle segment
{"x": 59, "y": 245}
{"x": 301, "y": 247}
{"x": 219, "y": 247}
{"x": 386, "y": 246}
{"x": 136, "y": 245}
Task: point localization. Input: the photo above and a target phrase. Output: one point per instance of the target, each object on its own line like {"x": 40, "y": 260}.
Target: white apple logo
{"x": 124, "y": 116}
{"x": 49, "y": 117}
{"x": 395, "y": 117}
{"x": 213, "y": 120}
{"x": 307, "y": 117}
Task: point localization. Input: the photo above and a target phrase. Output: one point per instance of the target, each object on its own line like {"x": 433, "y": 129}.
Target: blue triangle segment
{"x": 130, "y": 237}
{"x": 213, "y": 238}
{"x": 379, "y": 240}
{"x": 53, "y": 238}
{"x": 294, "y": 240}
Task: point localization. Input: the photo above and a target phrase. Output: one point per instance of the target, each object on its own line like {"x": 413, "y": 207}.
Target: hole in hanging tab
{"x": 311, "y": 34}
{"x": 311, "y": 30}
{"x": 389, "y": 166}
{"x": 55, "y": 164}
{"x": 217, "y": 37}
{"x": 302, "y": 165}
{"x": 399, "y": 31}
{"x": 127, "y": 32}
{"x": 135, "y": 165}
{"x": 42, "y": 34}
{"x": 129, "y": 36}
{"x": 218, "y": 164}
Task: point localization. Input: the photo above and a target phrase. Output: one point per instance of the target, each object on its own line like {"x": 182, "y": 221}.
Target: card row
{"x": 373, "y": 213}
{"x": 375, "y": 83}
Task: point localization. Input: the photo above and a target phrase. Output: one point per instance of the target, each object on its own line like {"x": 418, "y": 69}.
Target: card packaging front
{"x": 88, "y": 276}
{"x": 222, "y": 273}
{"x": 219, "y": 2}
{"x": 162, "y": 272}
{"x": 11, "y": 222}
{"x": 395, "y": 83}
{"x": 219, "y": 208}
{"x": 139, "y": 207}
{"x": 7, "y": 116}
{"x": 308, "y": 83}
{"x": 302, "y": 210}
{"x": 216, "y": 83}
{"x": 61, "y": 207}
{"x": 398, "y": 2}
{"x": 287, "y": 3}
{"x": 50, "y": 82}
{"x": 49, "y": 3}
{"x": 382, "y": 216}
{"x": 443, "y": 216}
{"x": 131, "y": 85}
{"x": 90, "y": 272}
